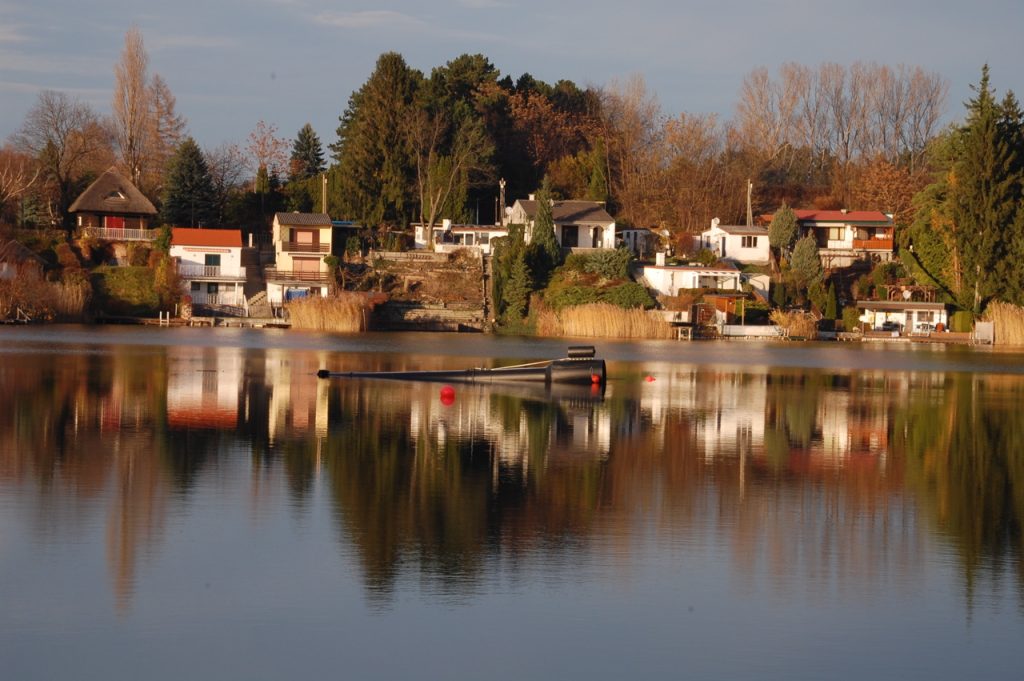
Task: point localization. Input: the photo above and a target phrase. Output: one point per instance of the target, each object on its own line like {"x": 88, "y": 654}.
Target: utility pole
{"x": 501, "y": 201}
{"x": 750, "y": 210}
{"x": 323, "y": 193}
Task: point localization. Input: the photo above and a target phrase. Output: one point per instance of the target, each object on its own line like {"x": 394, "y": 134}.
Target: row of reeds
{"x": 602, "y": 320}
{"x": 42, "y": 300}
{"x": 344, "y": 313}
{"x": 796, "y": 323}
{"x": 1008, "y": 321}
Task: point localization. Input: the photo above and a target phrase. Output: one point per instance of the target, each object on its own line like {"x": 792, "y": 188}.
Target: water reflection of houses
{"x": 519, "y": 422}
{"x": 203, "y": 387}
{"x": 298, "y": 400}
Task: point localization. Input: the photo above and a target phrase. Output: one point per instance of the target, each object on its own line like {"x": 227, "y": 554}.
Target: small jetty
{"x": 579, "y": 367}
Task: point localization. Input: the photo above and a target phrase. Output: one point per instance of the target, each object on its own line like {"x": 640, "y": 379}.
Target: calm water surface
{"x": 195, "y": 503}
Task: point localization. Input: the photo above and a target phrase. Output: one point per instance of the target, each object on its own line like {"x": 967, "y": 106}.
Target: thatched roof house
{"x": 113, "y": 202}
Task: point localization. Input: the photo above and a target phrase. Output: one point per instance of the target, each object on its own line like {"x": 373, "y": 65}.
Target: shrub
{"x": 629, "y": 295}
{"x": 610, "y": 264}
{"x": 1008, "y": 321}
{"x": 353, "y": 246}
{"x": 851, "y": 318}
{"x": 706, "y": 257}
{"x": 138, "y": 254}
{"x": 126, "y": 290}
{"x": 568, "y": 296}
{"x": 962, "y": 321}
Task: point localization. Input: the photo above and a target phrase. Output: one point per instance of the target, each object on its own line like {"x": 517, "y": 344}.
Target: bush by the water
{"x": 344, "y": 313}
{"x": 851, "y": 319}
{"x": 962, "y": 321}
{"x": 128, "y": 291}
{"x": 602, "y": 320}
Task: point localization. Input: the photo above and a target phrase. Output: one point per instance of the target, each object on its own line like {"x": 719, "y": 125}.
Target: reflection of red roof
{"x": 186, "y": 236}
{"x": 202, "y": 417}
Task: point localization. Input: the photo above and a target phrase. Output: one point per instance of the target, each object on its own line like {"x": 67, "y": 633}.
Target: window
{"x": 483, "y": 238}
{"x": 570, "y": 236}
{"x": 836, "y": 233}
{"x": 750, "y": 242}
{"x": 196, "y": 287}
{"x": 212, "y": 260}
{"x": 211, "y": 288}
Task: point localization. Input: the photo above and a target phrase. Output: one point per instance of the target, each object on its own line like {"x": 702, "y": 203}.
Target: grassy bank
{"x": 345, "y": 313}
{"x": 601, "y": 320}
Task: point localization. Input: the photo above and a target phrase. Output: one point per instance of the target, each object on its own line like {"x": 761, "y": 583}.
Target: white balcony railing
{"x": 210, "y": 271}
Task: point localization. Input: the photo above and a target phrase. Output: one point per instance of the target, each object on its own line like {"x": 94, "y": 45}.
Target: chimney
{"x": 659, "y": 259}
{"x": 844, "y": 211}
{"x": 714, "y": 222}
{"x": 533, "y": 197}
{"x": 446, "y": 225}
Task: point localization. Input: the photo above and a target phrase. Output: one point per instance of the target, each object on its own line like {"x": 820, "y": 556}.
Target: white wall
{"x": 668, "y": 281}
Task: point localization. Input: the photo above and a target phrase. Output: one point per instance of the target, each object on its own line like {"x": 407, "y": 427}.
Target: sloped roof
{"x": 304, "y": 219}
{"x": 840, "y": 216}
{"x": 14, "y": 252}
{"x": 187, "y": 236}
{"x": 743, "y": 229}
{"x": 571, "y": 211}
{"x": 112, "y": 192}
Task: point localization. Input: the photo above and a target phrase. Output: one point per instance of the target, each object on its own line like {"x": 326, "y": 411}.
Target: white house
{"x": 669, "y": 280}
{"x": 301, "y": 242}
{"x": 845, "y": 236}
{"x": 448, "y": 236}
{"x": 210, "y": 264}
{"x": 578, "y": 224}
{"x": 910, "y": 316}
{"x": 737, "y": 242}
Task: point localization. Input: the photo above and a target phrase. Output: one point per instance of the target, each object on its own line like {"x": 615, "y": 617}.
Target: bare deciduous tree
{"x": 66, "y": 137}
{"x": 267, "y": 150}
{"x": 131, "y": 106}
{"x": 166, "y": 130}
{"x": 18, "y": 173}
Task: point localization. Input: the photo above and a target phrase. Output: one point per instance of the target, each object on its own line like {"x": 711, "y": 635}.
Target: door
{"x": 570, "y": 236}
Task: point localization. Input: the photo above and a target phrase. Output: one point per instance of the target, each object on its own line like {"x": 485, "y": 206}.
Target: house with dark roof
{"x": 738, "y": 243}
{"x": 301, "y": 241}
{"x": 210, "y": 265}
{"x": 114, "y": 208}
{"x": 578, "y": 224}
{"x": 844, "y": 236}
{"x": 17, "y": 261}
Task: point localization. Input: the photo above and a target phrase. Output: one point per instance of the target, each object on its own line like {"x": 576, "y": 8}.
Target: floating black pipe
{"x": 579, "y": 368}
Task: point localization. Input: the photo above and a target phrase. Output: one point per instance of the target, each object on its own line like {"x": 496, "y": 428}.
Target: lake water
{"x": 195, "y": 503}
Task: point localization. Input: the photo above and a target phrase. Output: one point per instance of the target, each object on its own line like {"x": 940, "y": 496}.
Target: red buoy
{"x": 649, "y": 379}
{"x": 447, "y": 395}
{"x": 595, "y": 379}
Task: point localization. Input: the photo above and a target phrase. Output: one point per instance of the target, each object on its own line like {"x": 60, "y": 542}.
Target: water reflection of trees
{"x": 802, "y": 472}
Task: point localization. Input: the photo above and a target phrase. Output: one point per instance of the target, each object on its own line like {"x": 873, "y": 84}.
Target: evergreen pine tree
{"x": 831, "y": 302}
{"x": 782, "y": 231}
{"x": 307, "y": 158}
{"x": 517, "y": 289}
{"x": 376, "y": 173}
{"x": 189, "y": 192}
{"x": 544, "y": 252}
{"x": 806, "y": 265}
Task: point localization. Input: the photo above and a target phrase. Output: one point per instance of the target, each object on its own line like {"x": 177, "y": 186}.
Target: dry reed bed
{"x": 602, "y": 320}
{"x": 1009, "y": 322}
{"x": 797, "y": 324}
{"x": 345, "y": 313}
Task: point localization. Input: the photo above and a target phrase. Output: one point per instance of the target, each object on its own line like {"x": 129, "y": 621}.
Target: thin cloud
{"x": 484, "y": 4}
{"x": 12, "y": 34}
{"x": 370, "y": 19}
{"x": 168, "y": 42}
{"x": 18, "y": 62}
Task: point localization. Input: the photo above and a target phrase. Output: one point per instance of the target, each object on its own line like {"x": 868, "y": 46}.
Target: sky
{"x": 232, "y": 63}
